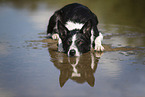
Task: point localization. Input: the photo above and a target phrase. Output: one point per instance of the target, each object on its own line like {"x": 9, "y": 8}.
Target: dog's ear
{"x": 62, "y": 30}
{"x": 64, "y": 76}
{"x": 86, "y": 29}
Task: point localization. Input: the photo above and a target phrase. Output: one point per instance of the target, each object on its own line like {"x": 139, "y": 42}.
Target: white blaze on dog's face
{"x": 73, "y": 50}
{"x": 77, "y": 40}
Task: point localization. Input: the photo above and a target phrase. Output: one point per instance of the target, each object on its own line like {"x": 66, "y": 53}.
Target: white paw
{"x": 55, "y": 36}
{"x": 99, "y": 47}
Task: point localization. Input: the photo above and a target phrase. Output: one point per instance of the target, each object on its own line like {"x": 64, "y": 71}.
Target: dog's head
{"x": 76, "y": 41}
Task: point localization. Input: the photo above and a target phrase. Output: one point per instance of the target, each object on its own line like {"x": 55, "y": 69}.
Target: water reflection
{"x": 79, "y": 69}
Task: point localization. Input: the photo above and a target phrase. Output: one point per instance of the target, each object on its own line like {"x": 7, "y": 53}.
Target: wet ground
{"x": 30, "y": 65}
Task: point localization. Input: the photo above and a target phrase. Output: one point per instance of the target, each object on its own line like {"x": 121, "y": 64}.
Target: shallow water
{"x": 30, "y": 65}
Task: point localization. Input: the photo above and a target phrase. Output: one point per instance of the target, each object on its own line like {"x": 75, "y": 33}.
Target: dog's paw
{"x": 55, "y": 36}
{"x": 99, "y": 47}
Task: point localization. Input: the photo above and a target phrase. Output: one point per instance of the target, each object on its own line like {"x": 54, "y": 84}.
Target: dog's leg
{"x": 60, "y": 45}
{"x": 98, "y": 45}
{"x": 56, "y": 37}
{"x": 92, "y": 38}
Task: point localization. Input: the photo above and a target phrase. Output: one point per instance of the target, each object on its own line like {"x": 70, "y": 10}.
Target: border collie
{"x": 75, "y": 27}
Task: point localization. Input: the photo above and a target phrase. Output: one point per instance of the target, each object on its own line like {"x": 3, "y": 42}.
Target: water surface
{"x": 30, "y": 65}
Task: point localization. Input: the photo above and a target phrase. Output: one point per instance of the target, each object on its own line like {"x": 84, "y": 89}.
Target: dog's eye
{"x": 79, "y": 42}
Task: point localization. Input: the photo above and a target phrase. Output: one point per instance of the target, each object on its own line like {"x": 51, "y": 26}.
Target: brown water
{"x": 30, "y": 65}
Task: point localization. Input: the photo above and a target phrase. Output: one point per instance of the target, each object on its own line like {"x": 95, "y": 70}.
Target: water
{"x": 30, "y": 65}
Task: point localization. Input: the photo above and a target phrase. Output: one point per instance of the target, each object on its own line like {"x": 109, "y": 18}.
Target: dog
{"x": 75, "y": 27}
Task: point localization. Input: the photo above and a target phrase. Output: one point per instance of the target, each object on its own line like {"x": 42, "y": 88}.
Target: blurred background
{"x": 124, "y": 12}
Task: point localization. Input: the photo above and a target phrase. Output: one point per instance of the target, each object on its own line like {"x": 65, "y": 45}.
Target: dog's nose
{"x": 72, "y": 52}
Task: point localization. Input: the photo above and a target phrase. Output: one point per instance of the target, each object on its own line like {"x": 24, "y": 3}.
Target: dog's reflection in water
{"x": 79, "y": 69}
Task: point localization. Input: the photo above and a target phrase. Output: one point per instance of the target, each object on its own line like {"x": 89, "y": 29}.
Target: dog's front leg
{"x": 60, "y": 45}
{"x": 98, "y": 45}
{"x": 56, "y": 37}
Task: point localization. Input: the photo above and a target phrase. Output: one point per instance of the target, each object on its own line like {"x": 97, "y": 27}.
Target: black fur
{"x": 82, "y": 40}
{"x": 74, "y": 12}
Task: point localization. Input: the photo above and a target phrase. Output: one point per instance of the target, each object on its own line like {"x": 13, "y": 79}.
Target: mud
{"x": 53, "y": 44}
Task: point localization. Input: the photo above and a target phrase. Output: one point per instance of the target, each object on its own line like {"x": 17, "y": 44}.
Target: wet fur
{"x": 75, "y": 20}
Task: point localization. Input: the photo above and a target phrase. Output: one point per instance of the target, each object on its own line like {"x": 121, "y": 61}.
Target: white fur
{"x": 55, "y": 36}
{"x": 92, "y": 61}
{"x": 71, "y": 25}
{"x": 60, "y": 47}
{"x": 73, "y": 46}
{"x": 75, "y": 72}
{"x": 92, "y": 37}
{"x": 98, "y": 45}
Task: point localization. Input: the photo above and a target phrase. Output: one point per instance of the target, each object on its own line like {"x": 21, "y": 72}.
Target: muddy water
{"x": 30, "y": 65}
